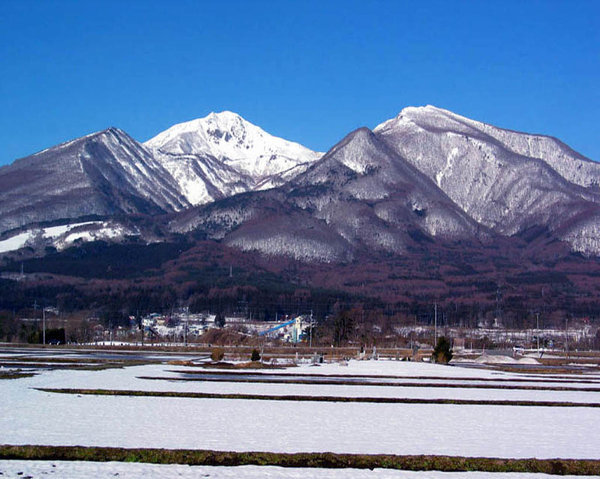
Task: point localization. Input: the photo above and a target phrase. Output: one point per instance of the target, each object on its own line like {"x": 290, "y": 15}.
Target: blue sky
{"x": 309, "y": 71}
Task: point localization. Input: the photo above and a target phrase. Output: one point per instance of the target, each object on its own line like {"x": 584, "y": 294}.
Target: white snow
{"x": 235, "y": 141}
{"x": 284, "y": 243}
{"x": 103, "y": 230}
{"x": 100, "y": 470}
{"x": 23, "y": 239}
{"x": 222, "y": 154}
{"x": 29, "y": 416}
{"x": 64, "y": 236}
{"x": 16, "y": 242}
{"x": 585, "y": 237}
{"x": 503, "y": 179}
{"x": 500, "y": 359}
{"x": 417, "y": 392}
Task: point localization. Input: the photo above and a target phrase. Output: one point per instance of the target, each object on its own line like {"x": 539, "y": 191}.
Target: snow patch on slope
{"x": 28, "y": 237}
{"x": 585, "y": 238}
{"x": 282, "y": 244}
{"x": 571, "y": 165}
{"x": 63, "y": 236}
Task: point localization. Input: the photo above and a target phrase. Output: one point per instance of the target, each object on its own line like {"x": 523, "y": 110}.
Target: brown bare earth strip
{"x": 291, "y": 397}
{"x": 373, "y": 376}
{"x": 15, "y": 375}
{"x": 386, "y": 384}
{"x": 87, "y": 360}
{"x": 546, "y": 370}
{"x": 303, "y": 460}
{"x": 84, "y": 364}
{"x": 73, "y": 367}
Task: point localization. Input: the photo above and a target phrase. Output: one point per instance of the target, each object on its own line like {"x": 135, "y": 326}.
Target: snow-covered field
{"x": 74, "y": 469}
{"x": 29, "y": 416}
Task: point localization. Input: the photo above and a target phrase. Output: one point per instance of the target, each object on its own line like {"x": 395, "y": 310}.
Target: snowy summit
{"x": 222, "y": 154}
{"x": 236, "y": 142}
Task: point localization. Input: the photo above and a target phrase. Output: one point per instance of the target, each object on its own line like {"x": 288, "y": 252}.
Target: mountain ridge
{"x": 491, "y": 179}
{"x": 104, "y": 173}
{"x": 465, "y": 179}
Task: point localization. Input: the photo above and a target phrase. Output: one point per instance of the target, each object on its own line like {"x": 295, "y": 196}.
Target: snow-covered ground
{"x": 75, "y": 469}
{"x": 99, "y": 470}
{"x": 371, "y": 391}
{"x": 29, "y": 416}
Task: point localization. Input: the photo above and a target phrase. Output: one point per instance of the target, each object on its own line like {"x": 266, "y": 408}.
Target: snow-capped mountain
{"x": 109, "y": 173}
{"x": 505, "y": 180}
{"x": 361, "y": 196}
{"x": 426, "y": 175}
{"x": 102, "y": 174}
{"x": 430, "y": 206}
{"x": 222, "y": 154}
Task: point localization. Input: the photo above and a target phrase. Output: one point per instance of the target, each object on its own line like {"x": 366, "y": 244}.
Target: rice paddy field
{"x": 101, "y": 413}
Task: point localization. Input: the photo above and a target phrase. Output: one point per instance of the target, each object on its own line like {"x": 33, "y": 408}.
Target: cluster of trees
{"x": 100, "y": 259}
{"x": 14, "y": 330}
{"x": 117, "y": 281}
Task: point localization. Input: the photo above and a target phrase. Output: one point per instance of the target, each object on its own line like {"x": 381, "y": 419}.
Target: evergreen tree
{"x": 442, "y": 353}
{"x": 220, "y": 320}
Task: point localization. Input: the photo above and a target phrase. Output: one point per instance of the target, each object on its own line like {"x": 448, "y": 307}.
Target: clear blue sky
{"x": 309, "y": 71}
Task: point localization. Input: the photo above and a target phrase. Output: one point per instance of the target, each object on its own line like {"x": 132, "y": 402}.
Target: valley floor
{"x": 287, "y": 411}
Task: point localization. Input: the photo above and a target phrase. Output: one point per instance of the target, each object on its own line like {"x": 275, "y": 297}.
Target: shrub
{"x": 217, "y": 354}
{"x": 442, "y": 353}
{"x": 220, "y": 320}
{"x": 255, "y": 355}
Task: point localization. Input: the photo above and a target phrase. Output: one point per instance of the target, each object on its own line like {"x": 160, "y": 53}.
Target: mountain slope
{"x": 102, "y": 174}
{"x": 425, "y": 175}
{"x": 505, "y": 180}
{"x": 223, "y": 154}
{"x": 108, "y": 174}
{"x": 360, "y": 197}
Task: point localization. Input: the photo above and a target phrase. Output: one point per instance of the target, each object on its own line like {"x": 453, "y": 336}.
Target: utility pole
{"x": 311, "y": 326}
{"x": 567, "y": 336}
{"x": 187, "y": 319}
{"x": 538, "y": 332}
{"x": 44, "y": 325}
{"x": 435, "y": 327}
{"x": 37, "y": 325}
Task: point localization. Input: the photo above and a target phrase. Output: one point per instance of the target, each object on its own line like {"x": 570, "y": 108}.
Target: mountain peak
{"x": 191, "y": 137}
{"x": 223, "y": 115}
{"x": 419, "y": 114}
{"x": 361, "y": 151}
{"x": 225, "y": 120}
{"x": 77, "y": 142}
{"x": 110, "y": 131}
{"x": 234, "y": 142}
{"x": 114, "y": 130}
